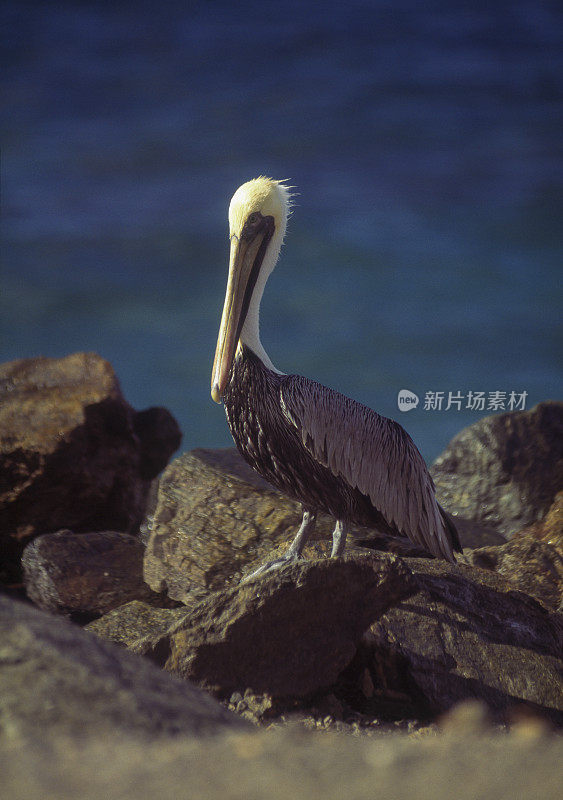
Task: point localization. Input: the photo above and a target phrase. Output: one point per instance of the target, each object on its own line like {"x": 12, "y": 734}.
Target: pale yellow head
{"x": 264, "y": 196}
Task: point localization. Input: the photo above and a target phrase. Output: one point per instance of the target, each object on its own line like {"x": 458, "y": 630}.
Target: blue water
{"x": 425, "y": 140}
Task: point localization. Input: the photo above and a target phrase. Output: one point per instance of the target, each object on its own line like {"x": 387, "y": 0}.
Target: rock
{"x": 212, "y": 519}
{"x": 533, "y": 559}
{"x": 468, "y": 634}
{"x": 159, "y": 437}
{"x": 550, "y": 529}
{"x": 72, "y": 452}
{"x": 504, "y": 471}
{"x": 532, "y": 566}
{"x": 284, "y": 763}
{"x": 138, "y": 626}
{"x": 58, "y": 679}
{"x": 472, "y": 534}
{"x": 85, "y": 574}
{"x": 287, "y": 633}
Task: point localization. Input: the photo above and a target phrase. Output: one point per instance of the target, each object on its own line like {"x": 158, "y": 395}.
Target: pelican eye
{"x": 252, "y": 225}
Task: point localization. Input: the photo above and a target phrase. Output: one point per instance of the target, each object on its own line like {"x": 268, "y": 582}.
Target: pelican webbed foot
{"x": 277, "y": 563}
{"x": 295, "y": 549}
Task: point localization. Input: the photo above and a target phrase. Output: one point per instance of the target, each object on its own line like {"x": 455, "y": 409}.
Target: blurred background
{"x": 426, "y": 245}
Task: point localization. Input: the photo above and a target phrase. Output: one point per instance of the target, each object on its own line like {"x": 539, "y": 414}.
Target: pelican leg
{"x": 338, "y": 539}
{"x": 302, "y": 536}
{"x": 293, "y": 553}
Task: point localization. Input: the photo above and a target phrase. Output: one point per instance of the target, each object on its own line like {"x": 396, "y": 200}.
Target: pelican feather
{"x": 389, "y": 468}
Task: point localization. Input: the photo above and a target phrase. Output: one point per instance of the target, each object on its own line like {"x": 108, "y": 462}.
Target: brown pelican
{"x": 312, "y": 443}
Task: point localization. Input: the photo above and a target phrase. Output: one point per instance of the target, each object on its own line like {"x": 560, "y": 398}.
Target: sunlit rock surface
{"x": 73, "y": 453}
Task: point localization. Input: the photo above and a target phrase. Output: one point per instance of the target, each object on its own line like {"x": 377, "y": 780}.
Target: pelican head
{"x": 258, "y": 216}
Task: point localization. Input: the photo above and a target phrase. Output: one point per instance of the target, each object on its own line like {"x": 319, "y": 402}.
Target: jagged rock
{"x": 505, "y": 470}
{"x": 73, "y": 453}
{"x": 212, "y": 519}
{"x": 286, "y": 633}
{"x": 468, "y": 634}
{"x": 285, "y": 763}
{"x": 532, "y": 566}
{"x": 138, "y": 626}
{"x": 85, "y": 574}
{"x": 550, "y": 529}
{"x": 533, "y": 559}
{"x": 58, "y": 679}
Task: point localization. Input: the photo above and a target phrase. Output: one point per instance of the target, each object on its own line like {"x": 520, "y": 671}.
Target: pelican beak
{"x": 246, "y": 258}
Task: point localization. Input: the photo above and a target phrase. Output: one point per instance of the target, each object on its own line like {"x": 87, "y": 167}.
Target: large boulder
{"x": 468, "y": 633}
{"x": 73, "y": 453}
{"x": 85, "y": 574}
{"x": 505, "y": 470}
{"x": 287, "y": 633}
{"x": 58, "y": 679}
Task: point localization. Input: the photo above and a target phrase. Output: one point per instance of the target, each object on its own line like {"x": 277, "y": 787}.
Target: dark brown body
{"x": 274, "y": 447}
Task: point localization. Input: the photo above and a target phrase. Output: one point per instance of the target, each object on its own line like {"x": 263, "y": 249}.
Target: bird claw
{"x": 277, "y": 563}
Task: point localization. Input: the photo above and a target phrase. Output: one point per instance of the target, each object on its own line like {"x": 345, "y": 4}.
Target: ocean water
{"x": 424, "y": 139}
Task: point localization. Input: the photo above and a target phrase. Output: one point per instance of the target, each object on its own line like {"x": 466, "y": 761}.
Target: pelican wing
{"x": 371, "y": 453}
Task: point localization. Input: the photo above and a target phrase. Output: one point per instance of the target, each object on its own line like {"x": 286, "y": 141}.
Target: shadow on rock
{"x": 468, "y": 633}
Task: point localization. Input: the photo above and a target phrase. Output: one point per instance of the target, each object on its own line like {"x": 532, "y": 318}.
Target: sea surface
{"x": 425, "y": 248}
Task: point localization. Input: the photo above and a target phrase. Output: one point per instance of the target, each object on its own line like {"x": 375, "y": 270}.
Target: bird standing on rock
{"x": 310, "y": 442}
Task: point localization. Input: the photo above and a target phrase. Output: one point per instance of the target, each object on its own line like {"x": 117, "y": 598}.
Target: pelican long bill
{"x": 244, "y": 265}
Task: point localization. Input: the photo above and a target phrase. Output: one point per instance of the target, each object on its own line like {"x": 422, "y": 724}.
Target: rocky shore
{"x": 137, "y": 657}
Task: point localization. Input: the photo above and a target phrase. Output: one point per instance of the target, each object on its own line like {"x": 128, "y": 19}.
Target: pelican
{"x": 310, "y": 442}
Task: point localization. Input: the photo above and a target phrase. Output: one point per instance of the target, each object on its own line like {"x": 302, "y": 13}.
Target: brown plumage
{"x": 334, "y": 455}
